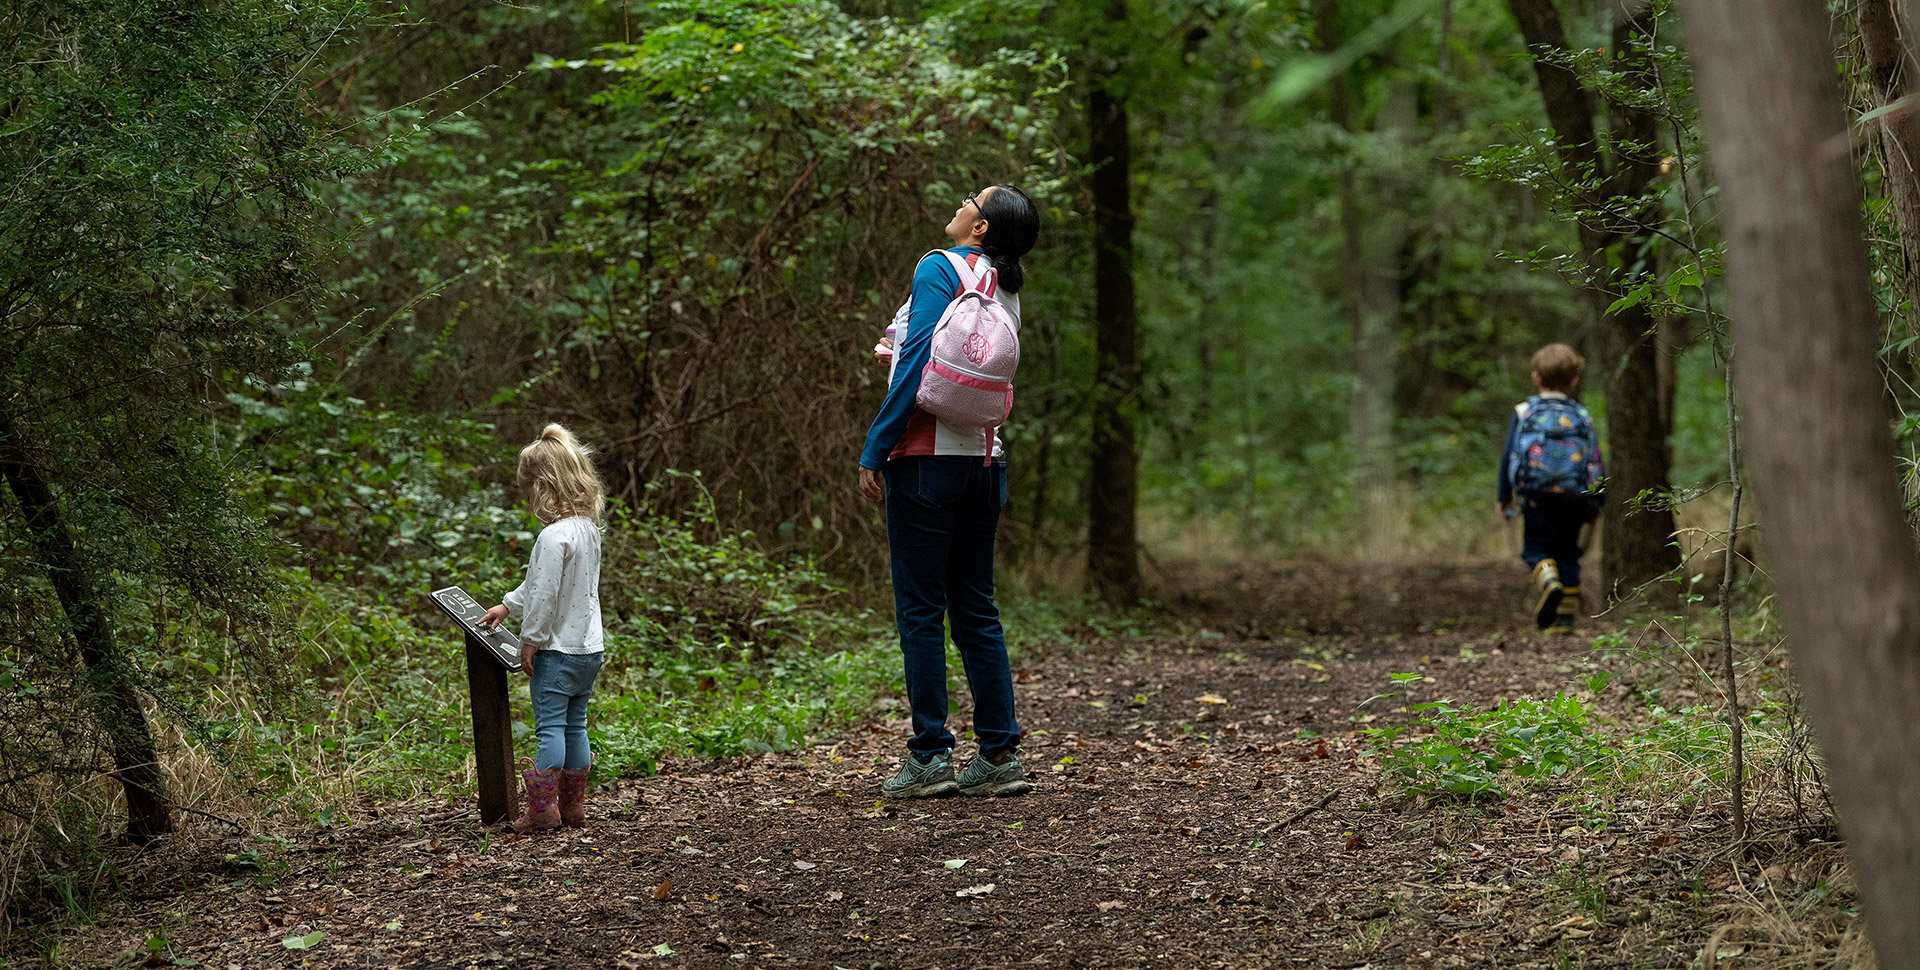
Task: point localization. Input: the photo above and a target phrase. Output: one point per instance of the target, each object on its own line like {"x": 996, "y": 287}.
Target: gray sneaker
{"x": 922, "y": 780}
{"x": 984, "y": 778}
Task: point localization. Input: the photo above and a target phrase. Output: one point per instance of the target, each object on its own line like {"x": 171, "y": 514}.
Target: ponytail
{"x": 1013, "y": 225}
{"x": 556, "y": 472}
{"x": 1013, "y": 276}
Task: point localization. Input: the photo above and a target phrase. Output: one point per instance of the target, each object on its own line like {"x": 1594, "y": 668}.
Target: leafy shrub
{"x": 376, "y": 494}
{"x": 1464, "y": 753}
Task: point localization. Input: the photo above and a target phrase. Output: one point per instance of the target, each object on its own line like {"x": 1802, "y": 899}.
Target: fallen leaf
{"x": 1570, "y": 921}
{"x": 1111, "y": 905}
{"x": 664, "y": 889}
{"x": 806, "y": 865}
{"x": 1357, "y": 843}
{"x": 1577, "y": 934}
{"x": 975, "y": 890}
{"x": 836, "y": 896}
{"x": 1211, "y": 699}
{"x": 954, "y": 863}
{"x": 663, "y": 950}
{"x": 307, "y": 942}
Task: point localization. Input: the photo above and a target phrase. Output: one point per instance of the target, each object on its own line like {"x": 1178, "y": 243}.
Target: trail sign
{"x": 490, "y": 654}
{"x": 466, "y": 611}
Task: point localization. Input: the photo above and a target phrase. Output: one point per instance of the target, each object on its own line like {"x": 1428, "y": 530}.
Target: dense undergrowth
{"x": 714, "y": 647}
{"x": 1670, "y": 741}
{"x": 356, "y": 694}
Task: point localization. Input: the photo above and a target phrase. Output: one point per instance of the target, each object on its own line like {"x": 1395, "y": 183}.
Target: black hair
{"x": 1013, "y": 223}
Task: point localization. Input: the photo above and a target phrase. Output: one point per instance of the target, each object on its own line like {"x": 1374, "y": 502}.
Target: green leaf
{"x": 1302, "y": 75}
{"x": 1634, "y": 298}
{"x": 307, "y": 942}
{"x": 1901, "y": 103}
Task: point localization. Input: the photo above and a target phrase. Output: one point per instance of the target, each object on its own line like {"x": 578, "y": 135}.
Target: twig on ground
{"x": 1310, "y": 809}
{"x": 1025, "y": 848}
{"x": 237, "y": 827}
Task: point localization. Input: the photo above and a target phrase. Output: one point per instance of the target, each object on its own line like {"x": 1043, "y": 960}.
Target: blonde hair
{"x": 1559, "y": 367}
{"x": 556, "y": 473}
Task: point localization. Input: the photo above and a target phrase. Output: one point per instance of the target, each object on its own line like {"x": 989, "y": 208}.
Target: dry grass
{"x": 1403, "y": 527}
{"x": 1791, "y": 914}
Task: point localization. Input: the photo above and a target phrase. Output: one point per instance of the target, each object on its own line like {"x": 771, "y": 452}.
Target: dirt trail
{"x": 1167, "y": 829}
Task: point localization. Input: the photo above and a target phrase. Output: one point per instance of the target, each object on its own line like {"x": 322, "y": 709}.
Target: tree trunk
{"x": 1842, "y": 551}
{"x": 1382, "y": 248}
{"x": 1372, "y": 248}
{"x": 1891, "y": 69}
{"x": 1113, "y": 562}
{"x": 1638, "y": 547}
{"x": 108, "y": 681}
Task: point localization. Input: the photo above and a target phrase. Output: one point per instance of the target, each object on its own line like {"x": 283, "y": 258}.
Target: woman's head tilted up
{"x": 556, "y": 474}
{"x": 1004, "y": 223}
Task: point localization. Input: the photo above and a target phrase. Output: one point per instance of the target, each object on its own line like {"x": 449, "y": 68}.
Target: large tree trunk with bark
{"x": 1638, "y": 546}
{"x": 1113, "y": 560}
{"x": 1842, "y": 551}
{"x": 107, "y": 683}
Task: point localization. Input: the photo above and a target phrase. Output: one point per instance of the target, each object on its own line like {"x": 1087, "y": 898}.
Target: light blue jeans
{"x": 560, "y": 686}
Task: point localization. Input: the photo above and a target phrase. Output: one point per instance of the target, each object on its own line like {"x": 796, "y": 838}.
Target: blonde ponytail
{"x": 556, "y": 474}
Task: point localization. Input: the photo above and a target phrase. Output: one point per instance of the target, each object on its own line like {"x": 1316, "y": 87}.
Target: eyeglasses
{"x": 972, "y": 200}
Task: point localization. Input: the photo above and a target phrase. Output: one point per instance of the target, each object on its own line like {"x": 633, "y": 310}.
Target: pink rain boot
{"x": 573, "y": 796}
{"x": 542, "y": 786}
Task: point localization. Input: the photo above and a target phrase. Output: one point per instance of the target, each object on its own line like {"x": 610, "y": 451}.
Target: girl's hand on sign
{"x": 492, "y": 620}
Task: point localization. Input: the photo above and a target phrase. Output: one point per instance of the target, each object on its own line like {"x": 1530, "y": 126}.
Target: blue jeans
{"x": 560, "y": 686}
{"x": 942, "y": 512}
{"x": 1551, "y": 530}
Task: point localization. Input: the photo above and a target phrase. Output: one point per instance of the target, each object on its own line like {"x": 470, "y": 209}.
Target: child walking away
{"x": 1550, "y": 474}
{"x": 561, "y": 642}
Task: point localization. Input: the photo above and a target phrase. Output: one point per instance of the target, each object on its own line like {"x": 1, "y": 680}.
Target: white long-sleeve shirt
{"x": 559, "y": 603}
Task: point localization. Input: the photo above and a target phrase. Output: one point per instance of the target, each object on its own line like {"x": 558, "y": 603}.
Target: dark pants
{"x": 941, "y": 515}
{"x": 1552, "y": 531}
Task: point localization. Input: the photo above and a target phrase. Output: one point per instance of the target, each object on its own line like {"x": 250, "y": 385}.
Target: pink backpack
{"x": 968, "y": 382}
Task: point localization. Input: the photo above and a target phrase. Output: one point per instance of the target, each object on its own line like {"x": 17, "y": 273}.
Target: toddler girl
{"x": 561, "y": 643}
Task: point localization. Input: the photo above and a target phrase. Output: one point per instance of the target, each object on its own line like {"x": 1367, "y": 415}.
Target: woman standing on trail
{"x": 944, "y": 487}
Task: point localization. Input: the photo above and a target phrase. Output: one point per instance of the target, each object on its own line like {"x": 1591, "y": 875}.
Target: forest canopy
{"x": 287, "y": 284}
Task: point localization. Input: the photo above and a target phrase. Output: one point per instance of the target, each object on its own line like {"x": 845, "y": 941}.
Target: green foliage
{"x": 1449, "y": 752}
{"x": 157, "y": 213}
{"x": 391, "y": 498}
{"x": 714, "y": 646}
{"x": 647, "y": 235}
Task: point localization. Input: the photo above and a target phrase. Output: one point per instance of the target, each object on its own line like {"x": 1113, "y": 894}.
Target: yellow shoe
{"x": 1569, "y": 612}
{"x": 1547, "y": 575}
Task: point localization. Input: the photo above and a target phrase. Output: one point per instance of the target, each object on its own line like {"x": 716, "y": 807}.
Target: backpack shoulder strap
{"x": 986, "y": 282}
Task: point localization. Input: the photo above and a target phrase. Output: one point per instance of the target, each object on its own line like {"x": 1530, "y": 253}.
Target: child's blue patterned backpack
{"x": 1555, "y": 449}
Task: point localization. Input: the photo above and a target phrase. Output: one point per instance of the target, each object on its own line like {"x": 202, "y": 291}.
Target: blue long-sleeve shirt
{"x": 934, "y": 286}
{"x": 1506, "y": 462}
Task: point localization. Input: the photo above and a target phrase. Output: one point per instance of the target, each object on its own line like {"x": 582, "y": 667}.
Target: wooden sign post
{"x": 490, "y": 654}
